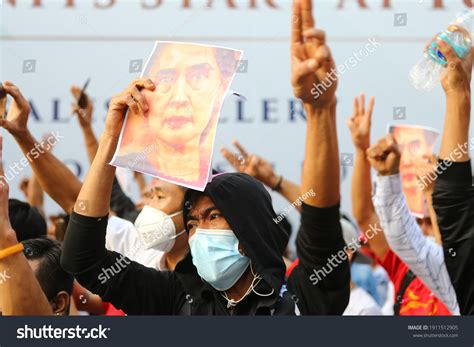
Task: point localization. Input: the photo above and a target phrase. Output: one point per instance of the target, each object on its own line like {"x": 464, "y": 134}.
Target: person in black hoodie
{"x": 235, "y": 265}
{"x": 453, "y": 196}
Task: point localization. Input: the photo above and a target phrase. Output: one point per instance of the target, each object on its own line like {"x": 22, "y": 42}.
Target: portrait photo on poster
{"x": 415, "y": 143}
{"x": 174, "y": 139}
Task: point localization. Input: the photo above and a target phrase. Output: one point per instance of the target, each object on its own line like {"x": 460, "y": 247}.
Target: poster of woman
{"x": 414, "y": 143}
{"x": 173, "y": 140}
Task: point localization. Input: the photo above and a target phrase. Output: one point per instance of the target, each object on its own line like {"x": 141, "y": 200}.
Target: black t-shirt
{"x": 453, "y": 201}
{"x": 139, "y": 290}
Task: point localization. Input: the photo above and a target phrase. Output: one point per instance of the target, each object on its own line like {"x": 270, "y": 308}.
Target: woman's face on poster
{"x": 413, "y": 145}
{"x": 188, "y": 81}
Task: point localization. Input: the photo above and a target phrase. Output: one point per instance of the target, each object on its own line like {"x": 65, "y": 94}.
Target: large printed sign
{"x": 48, "y": 45}
{"x": 174, "y": 138}
{"x": 232, "y": 4}
{"x": 414, "y": 143}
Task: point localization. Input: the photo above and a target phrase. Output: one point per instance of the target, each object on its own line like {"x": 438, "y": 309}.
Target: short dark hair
{"x": 50, "y": 275}
{"x": 25, "y": 220}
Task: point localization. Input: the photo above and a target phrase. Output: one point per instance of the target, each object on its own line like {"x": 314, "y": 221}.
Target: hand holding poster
{"x": 415, "y": 143}
{"x": 3, "y": 101}
{"x": 175, "y": 139}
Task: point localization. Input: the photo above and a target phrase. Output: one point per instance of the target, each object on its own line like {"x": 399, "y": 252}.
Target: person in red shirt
{"x": 412, "y": 296}
{"x": 416, "y": 299}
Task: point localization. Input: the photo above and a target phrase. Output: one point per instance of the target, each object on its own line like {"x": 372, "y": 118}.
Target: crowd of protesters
{"x": 224, "y": 251}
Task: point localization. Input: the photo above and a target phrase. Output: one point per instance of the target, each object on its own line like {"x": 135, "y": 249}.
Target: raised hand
{"x": 17, "y": 115}
{"x": 384, "y": 156}
{"x": 457, "y": 75}
{"x": 84, "y": 113}
{"x": 132, "y": 98}
{"x": 23, "y": 186}
{"x": 360, "y": 122}
{"x": 13, "y": 300}
{"x": 251, "y": 164}
{"x": 311, "y": 59}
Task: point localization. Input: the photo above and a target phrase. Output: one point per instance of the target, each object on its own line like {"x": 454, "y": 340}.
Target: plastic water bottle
{"x": 426, "y": 74}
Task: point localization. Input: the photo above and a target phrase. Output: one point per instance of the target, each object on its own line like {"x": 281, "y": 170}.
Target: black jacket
{"x": 453, "y": 201}
{"x": 246, "y": 205}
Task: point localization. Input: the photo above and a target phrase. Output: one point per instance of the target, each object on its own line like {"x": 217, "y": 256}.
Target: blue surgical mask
{"x": 217, "y": 258}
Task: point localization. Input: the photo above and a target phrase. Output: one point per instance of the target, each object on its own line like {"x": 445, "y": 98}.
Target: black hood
{"x": 247, "y": 207}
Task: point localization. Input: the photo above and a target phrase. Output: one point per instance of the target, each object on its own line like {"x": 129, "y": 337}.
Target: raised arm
{"x": 423, "y": 256}
{"x": 257, "y": 167}
{"x": 362, "y": 207}
{"x": 55, "y": 178}
{"x": 456, "y": 81}
{"x": 120, "y": 203}
{"x": 453, "y": 197}
{"x": 36, "y": 195}
{"x": 20, "y": 292}
{"x": 320, "y": 238}
{"x": 84, "y": 116}
{"x": 136, "y": 289}
{"x": 95, "y": 192}
{"x": 33, "y": 192}
{"x": 311, "y": 65}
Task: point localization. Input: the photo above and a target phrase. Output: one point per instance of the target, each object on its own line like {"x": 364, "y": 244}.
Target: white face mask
{"x": 156, "y": 229}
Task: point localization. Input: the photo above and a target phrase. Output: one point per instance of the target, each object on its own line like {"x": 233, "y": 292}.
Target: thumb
{"x": 75, "y": 108}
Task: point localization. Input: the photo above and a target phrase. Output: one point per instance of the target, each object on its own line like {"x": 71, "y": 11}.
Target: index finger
{"x": 296, "y": 31}
{"x": 143, "y": 83}
{"x": 370, "y": 107}
{"x": 16, "y": 94}
{"x": 448, "y": 51}
{"x": 240, "y": 148}
{"x": 362, "y": 102}
{"x": 307, "y": 14}
{"x": 356, "y": 107}
{"x": 391, "y": 143}
{"x": 231, "y": 158}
